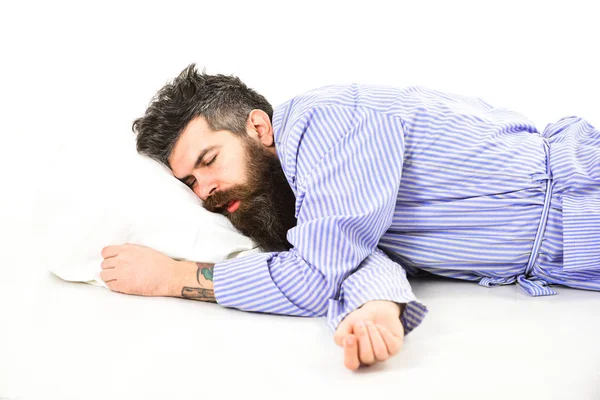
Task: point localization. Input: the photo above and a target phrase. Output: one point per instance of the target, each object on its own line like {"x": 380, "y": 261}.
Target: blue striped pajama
{"x": 390, "y": 182}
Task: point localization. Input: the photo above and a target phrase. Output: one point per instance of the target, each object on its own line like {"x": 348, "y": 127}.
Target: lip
{"x": 232, "y": 206}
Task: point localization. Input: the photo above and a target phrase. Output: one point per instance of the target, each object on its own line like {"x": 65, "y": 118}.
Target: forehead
{"x": 192, "y": 135}
{"x": 196, "y": 136}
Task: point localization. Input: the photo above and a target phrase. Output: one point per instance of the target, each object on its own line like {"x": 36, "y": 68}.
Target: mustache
{"x": 217, "y": 202}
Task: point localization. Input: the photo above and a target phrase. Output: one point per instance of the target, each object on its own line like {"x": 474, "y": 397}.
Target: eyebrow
{"x": 198, "y": 162}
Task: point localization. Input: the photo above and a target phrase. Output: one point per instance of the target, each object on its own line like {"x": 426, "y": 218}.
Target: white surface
{"x": 493, "y": 343}
{"x": 86, "y": 70}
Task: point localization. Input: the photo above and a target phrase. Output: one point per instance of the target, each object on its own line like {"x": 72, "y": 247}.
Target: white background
{"x": 87, "y": 69}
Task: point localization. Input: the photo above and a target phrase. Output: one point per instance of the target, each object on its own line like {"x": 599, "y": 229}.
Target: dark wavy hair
{"x": 225, "y": 102}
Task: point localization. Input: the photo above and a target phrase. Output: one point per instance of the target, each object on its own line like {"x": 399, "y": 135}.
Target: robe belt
{"x": 534, "y": 286}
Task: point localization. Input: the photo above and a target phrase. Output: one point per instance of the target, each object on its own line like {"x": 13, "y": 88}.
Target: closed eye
{"x": 191, "y": 183}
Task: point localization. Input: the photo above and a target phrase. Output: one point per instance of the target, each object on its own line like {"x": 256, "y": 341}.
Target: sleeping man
{"x": 348, "y": 188}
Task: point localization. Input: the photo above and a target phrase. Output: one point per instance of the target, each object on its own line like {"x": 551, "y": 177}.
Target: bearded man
{"x": 348, "y": 188}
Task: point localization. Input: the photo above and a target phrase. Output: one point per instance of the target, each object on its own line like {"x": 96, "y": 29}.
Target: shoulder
{"x": 310, "y": 125}
{"x": 311, "y": 121}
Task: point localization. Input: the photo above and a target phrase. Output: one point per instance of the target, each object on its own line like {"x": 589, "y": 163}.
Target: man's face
{"x": 239, "y": 177}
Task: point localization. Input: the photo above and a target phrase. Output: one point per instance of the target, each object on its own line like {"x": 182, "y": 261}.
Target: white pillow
{"x": 100, "y": 192}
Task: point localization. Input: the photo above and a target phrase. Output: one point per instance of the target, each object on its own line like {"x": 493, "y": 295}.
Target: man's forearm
{"x": 193, "y": 281}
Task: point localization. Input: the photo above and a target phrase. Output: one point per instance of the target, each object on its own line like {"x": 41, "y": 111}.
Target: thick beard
{"x": 267, "y": 207}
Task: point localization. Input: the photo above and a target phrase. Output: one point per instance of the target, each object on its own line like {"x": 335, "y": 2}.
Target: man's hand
{"x": 139, "y": 270}
{"x": 371, "y": 333}
{"x": 134, "y": 269}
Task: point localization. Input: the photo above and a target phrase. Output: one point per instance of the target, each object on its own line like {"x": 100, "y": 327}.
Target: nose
{"x": 205, "y": 189}
{"x": 205, "y": 186}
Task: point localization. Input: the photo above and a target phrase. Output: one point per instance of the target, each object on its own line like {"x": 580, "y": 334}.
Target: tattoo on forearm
{"x": 198, "y": 294}
{"x": 206, "y": 270}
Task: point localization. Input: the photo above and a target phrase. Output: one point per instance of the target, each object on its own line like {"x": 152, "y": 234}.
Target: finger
{"x": 393, "y": 342}
{"x": 113, "y": 286}
{"x": 108, "y": 275}
{"x": 108, "y": 263}
{"x": 344, "y": 329}
{"x": 110, "y": 251}
{"x": 379, "y": 348}
{"x": 351, "y": 353}
{"x": 131, "y": 245}
{"x": 365, "y": 350}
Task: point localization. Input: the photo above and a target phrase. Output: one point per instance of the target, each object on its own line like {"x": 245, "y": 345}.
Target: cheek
{"x": 234, "y": 172}
{"x": 196, "y": 191}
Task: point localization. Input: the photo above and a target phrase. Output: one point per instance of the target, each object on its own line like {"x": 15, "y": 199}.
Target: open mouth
{"x": 232, "y": 206}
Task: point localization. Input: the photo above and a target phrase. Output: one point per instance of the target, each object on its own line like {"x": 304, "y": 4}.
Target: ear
{"x": 259, "y": 126}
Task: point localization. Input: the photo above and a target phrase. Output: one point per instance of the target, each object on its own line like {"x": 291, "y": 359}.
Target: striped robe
{"x": 392, "y": 181}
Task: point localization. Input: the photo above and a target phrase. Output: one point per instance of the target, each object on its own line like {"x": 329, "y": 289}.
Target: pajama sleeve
{"x": 347, "y": 175}
{"x": 378, "y": 278}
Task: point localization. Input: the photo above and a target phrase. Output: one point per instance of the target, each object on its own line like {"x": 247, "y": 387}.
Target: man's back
{"x": 473, "y": 178}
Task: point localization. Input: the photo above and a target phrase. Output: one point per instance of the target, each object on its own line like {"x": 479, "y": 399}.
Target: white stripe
{"x": 444, "y": 182}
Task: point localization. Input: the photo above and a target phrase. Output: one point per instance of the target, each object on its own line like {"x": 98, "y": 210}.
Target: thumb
{"x": 344, "y": 329}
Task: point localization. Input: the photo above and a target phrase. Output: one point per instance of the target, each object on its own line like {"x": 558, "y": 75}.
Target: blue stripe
{"x": 443, "y": 183}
